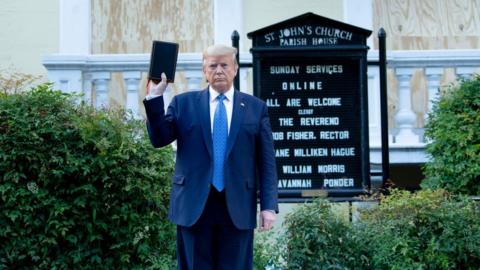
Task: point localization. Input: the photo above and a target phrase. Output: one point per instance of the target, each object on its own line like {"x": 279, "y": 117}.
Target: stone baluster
{"x": 465, "y": 72}
{"x": 194, "y": 77}
{"x": 405, "y": 117}
{"x": 132, "y": 79}
{"x": 87, "y": 88}
{"x": 100, "y": 82}
{"x": 434, "y": 75}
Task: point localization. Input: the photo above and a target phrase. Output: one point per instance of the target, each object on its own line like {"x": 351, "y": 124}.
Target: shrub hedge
{"x": 424, "y": 230}
{"x": 453, "y": 127}
{"x": 317, "y": 238}
{"x": 80, "y": 188}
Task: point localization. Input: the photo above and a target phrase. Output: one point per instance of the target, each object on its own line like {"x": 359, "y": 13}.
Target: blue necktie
{"x": 219, "y": 137}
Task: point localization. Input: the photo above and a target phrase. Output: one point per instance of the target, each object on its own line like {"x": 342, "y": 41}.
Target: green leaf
{"x": 77, "y": 181}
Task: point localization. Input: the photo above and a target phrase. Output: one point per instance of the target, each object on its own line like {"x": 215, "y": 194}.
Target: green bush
{"x": 80, "y": 188}
{"x": 317, "y": 238}
{"x": 266, "y": 250}
{"x": 424, "y": 230}
{"x": 454, "y": 130}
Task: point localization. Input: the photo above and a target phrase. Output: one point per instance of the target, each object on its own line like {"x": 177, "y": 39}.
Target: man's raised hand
{"x": 158, "y": 89}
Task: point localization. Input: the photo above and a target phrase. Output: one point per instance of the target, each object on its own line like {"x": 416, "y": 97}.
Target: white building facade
{"x": 101, "y": 48}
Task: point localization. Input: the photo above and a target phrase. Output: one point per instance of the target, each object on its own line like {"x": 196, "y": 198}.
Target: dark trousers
{"x": 214, "y": 243}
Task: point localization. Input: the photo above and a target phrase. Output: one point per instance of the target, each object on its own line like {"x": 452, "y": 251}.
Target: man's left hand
{"x": 267, "y": 218}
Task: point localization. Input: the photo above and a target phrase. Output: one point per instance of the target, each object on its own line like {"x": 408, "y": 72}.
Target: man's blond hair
{"x": 220, "y": 50}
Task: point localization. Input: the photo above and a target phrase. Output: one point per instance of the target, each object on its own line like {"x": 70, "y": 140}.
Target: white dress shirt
{"x": 228, "y": 102}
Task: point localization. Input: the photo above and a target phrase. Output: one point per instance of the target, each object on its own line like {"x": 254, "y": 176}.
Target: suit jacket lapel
{"x": 237, "y": 119}
{"x": 204, "y": 106}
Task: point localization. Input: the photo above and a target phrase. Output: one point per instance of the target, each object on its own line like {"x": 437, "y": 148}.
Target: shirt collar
{"x": 214, "y": 94}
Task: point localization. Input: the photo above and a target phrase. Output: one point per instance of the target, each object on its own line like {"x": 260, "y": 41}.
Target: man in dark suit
{"x": 225, "y": 160}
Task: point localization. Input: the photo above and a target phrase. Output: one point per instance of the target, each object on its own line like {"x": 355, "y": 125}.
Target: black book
{"x": 163, "y": 59}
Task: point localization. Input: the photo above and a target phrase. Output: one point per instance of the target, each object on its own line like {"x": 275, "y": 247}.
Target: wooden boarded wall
{"x": 425, "y": 25}
{"x": 124, "y": 26}
{"x": 429, "y": 24}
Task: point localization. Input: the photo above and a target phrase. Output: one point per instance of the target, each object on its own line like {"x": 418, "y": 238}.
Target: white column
{"x": 434, "y": 75}
{"x": 465, "y": 72}
{"x": 405, "y": 118}
{"x": 227, "y": 16}
{"x": 132, "y": 79}
{"x": 100, "y": 81}
{"x": 75, "y": 25}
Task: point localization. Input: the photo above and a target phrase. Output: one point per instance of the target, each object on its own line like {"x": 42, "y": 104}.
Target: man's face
{"x": 220, "y": 72}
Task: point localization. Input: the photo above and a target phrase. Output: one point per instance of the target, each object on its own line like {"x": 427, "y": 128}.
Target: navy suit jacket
{"x": 250, "y": 169}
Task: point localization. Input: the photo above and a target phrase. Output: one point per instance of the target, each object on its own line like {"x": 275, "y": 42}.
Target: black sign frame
{"x": 354, "y": 55}
{"x": 354, "y": 52}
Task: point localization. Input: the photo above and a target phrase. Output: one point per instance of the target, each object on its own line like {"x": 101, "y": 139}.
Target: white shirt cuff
{"x": 148, "y": 97}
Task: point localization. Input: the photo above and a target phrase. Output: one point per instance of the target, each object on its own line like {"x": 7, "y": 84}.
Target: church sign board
{"x": 312, "y": 73}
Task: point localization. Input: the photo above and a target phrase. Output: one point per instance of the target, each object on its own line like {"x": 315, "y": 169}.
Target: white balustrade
{"x": 465, "y": 72}
{"x": 405, "y": 117}
{"x": 87, "y": 88}
{"x": 194, "y": 78}
{"x": 374, "y": 112}
{"x": 244, "y": 72}
{"x": 91, "y": 75}
{"x": 132, "y": 79}
{"x": 66, "y": 71}
{"x": 100, "y": 83}
{"x": 434, "y": 76}
{"x": 191, "y": 66}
